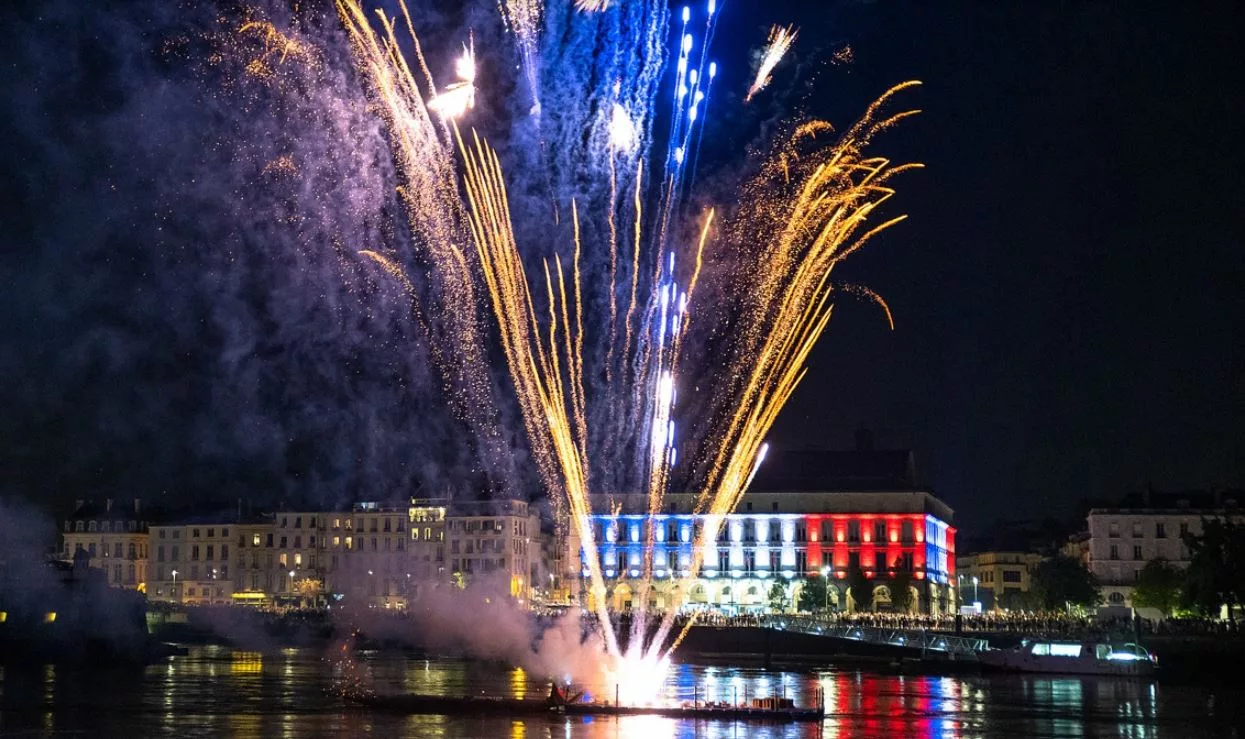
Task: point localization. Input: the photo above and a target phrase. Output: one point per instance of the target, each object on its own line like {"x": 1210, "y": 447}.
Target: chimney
{"x": 138, "y": 504}
{"x": 107, "y": 504}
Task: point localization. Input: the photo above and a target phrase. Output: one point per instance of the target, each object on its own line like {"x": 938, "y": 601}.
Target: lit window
{"x": 1065, "y": 650}
{"x": 49, "y": 617}
{"x": 255, "y": 540}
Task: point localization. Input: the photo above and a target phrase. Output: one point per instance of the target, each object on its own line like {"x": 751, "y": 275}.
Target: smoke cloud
{"x": 183, "y": 200}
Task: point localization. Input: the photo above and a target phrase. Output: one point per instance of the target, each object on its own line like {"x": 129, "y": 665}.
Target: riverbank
{"x": 1184, "y": 660}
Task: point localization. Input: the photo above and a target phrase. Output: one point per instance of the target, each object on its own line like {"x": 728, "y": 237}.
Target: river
{"x": 216, "y": 691}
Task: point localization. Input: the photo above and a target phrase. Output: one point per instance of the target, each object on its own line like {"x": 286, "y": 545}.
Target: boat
{"x": 1073, "y": 658}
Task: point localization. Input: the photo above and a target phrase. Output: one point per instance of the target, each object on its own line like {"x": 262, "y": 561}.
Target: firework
{"x": 776, "y": 47}
{"x": 810, "y": 206}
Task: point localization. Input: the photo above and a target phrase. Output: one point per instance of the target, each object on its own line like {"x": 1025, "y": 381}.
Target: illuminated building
{"x": 997, "y": 579}
{"x": 113, "y": 538}
{"x": 1148, "y": 526}
{"x": 787, "y": 530}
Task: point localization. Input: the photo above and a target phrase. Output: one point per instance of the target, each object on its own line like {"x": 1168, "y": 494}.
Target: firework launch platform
{"x": 775, "y": 711}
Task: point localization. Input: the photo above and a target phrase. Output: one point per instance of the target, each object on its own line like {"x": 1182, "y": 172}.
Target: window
{"x": 298, "y": 542}
{"x": 177, "y": 533}
{"x": 254, "y": 540}
{"x": 132, "y": 552}
{"x": 1113, "y": 529}
{"x": 749, "y": 504}
{"x": 176, "y": 554}
{"x": 211, "y": 551}
{"x": 283, "y": 559}
{"x": 1184, "y": 529}
{"x": 1160, "y": 530}
{"x": 879, "y": 562}
{"x": 285, "y": 522}
{"x": 388, "y": 525}
{"x": 195, "y": 533}
{"x": 1115, "y": 551}
{"x": 775, "y": 504}
{"x": 1137, "y": 530}
{"x": 160, "y": 553}
{"x": 224, "y": 551}
{"x": 211, "y": 533}
{"x": 298, "y": 559}
{"x": 92, "y": 527}
{"x": 116, "y": 550}
{"x": 161, "y": 533}
{"x": 1136, "y": 551}
{"x": 1116, "y": 598}
{"x": 1011, "y": 575}
{"x": 853, "y": 531}
{"x": 298, "y": 522}
{"x": 194, "y": 552}
{"x": 224, "y": 533}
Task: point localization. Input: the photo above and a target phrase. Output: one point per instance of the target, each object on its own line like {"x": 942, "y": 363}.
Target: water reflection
{"x": 215, "y": 691}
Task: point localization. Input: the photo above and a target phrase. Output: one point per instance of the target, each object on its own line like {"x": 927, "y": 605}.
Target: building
{"x": 114, "y": 538}
{"x": 298, "y": 543}
{"x": 191, "y": 563}
{"x": 488, "y": 538}
{"x": 824, "y": 513}
{"x": 369, "y": 555}
{"x": 1148, "y": 526}
{"x": 256, "y": 574}
{"x": 996, "y": 579}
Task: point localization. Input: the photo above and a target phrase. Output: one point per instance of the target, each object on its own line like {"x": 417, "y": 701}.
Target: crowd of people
{"x": 1052, "y": 625}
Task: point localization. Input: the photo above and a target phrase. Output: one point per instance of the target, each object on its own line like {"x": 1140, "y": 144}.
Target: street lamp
{"x": 174, "y": 583}
{"x": 975, "y": 589}
{"x": 825, "y": 573}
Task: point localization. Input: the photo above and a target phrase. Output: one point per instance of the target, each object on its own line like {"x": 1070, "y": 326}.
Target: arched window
{"x": 1116, "y": 598}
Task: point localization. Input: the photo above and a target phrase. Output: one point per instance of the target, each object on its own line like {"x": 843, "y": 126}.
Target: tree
{"x": 901, "y": 591}
{"x": 1060, "y": 582}
{"x": 778, "y": 597}
{"x": 1216, "y": 573}
{"x": 813, "y": 595}
{"x": 1158, "y": 586}
{"x": 859, "y": 587}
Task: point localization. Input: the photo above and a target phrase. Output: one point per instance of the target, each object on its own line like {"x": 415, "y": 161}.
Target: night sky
{"x": 1067, "y": 291}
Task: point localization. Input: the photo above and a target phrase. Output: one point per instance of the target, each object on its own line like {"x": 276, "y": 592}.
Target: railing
{"x": 909, "y": 638}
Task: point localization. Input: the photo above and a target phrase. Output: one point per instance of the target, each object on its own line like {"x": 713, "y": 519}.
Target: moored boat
{"x": 1073, "y": 658}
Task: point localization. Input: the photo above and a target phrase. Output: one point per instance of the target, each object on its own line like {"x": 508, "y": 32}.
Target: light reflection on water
{"x": 215, "y": 691}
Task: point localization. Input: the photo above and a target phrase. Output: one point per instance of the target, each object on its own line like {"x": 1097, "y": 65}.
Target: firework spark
{"x": 460, "y": 96}
{"x": 776, "y": 47}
